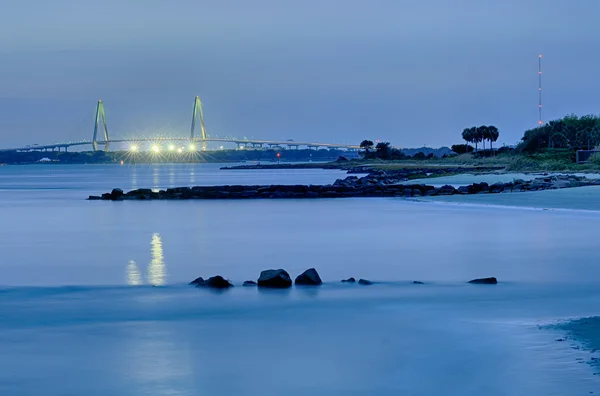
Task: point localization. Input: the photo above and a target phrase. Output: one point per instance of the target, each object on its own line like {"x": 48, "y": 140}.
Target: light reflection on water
{"x": 134, "y": 277}
{"x": 156, "y": 269}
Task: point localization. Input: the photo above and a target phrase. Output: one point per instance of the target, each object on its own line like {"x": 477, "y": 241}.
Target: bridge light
{"x": 192, "y": 147}
{"x": 171, "y": 147}
{"x": 180, "y": 150}
{"x": 133, "y": 148}
{"x": 155, "y": 148}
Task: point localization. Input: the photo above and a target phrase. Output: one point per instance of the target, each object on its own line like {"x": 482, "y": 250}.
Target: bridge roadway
{"x": 239, "y": 142}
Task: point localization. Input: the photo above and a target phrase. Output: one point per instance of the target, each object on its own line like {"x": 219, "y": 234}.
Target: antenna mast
{"x": 540, "y": 122}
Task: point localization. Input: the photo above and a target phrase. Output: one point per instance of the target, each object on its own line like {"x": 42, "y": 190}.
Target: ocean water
{"x": 95, "y": 298}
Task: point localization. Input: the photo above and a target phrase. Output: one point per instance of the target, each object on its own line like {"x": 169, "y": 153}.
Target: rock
{"x": 116, "y": 194}
{"x": 497, "y": 187}
{"x": 216, "y": 282}
{"x": 310, "y": 277}
{"x": 249, "y": 283}
{"x": 94, "y": 198}
{"x": 197, "y": 281}
{"x": 277, "y": 278}
{"x": 106, "y": 196}
{"x": 446, "y": 190}
{"x": 418, "y": 283}
{"x": 364, "y": 282}
{"x": 484, "y": 281}
{"x": 349, "y": 280}
{"x": 342, "y": 159}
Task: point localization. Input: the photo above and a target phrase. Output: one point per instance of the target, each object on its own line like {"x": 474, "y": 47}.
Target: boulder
{"x": 310, "y": 277}
{"x": 94, "y": 198}
{"x": 484, "y": 281}
{"x": 463, "y": 190}
{"x": 349, "y": 280}
{"x": 216, "y": 282}
{"x": 277, "y": 278}
{"x": 418, "y": 283}
{"x": 197, "y": 281}
{"x": 364, "y": 282}
{"x": 249, "y": 283}
{"x": 116, "y": 193}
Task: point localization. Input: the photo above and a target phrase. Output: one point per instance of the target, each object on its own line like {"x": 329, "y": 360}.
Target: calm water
{"x": 79, "y": 314}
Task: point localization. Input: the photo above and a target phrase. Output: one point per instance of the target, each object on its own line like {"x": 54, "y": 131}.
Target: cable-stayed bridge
{"x": 101, "y": 139}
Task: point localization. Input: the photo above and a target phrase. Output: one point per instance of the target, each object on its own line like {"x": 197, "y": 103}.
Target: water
{"x": 80, "y": 316}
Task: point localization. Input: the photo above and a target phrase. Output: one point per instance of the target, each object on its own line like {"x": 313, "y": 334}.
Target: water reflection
{"x": 134, "y": 277}
{"x": 134, "y": 178}
{"x": 156, "y": 177}
{"x": 156, "y": 269}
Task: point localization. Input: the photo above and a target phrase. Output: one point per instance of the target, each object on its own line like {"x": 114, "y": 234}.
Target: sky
{"x": 411, "y": 72}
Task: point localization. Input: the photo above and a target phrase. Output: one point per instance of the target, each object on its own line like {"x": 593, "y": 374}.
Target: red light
{"x": 278, "y": 155}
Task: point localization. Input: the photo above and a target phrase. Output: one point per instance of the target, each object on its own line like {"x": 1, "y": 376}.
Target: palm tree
{"x": 467, "y": 136}
{"x": 476, "y": 138}
{"x": 493, "y": 135}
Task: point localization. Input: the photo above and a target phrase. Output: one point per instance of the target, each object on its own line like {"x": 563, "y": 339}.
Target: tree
{"x": 467, "y": 136}
{"x": 493, "y": 135}
{"x": 477, "y": 136}
{"x": 483, "y": 134}
{"x": 462, "y": 148}
{"x": 366, "y": 144}
{"x": 383, "y": 150}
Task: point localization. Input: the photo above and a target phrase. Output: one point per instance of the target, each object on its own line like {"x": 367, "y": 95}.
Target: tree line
{"x": 570, "y": 132}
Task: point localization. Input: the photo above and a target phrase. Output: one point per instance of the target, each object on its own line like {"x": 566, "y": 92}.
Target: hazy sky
{"x": 412, "y": 72}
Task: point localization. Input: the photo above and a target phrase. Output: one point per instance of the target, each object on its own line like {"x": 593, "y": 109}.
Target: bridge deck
{"x": 178, "y": 139}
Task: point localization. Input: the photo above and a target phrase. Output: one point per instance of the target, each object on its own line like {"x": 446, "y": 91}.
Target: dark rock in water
{"x": 217, "y": 282}
{"x": 484, "y": 281}
{"x": 249, "y": 283}
{"x": 310, "y": 277}
{"x": 94, "y": 198}
{"x": 197, "y": 281}
{"x": 341, "y": 158}
{"x": 116, "y": 193}
{"x": 418, "y": 283}
{"x": 349, "y": 280}
{"x": 364, "y": 282}
{"x": 278, "y": 278}
{"x": 106, "y": 196}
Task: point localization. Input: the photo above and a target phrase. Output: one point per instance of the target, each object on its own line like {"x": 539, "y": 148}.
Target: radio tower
{"x": 540, "y": 122}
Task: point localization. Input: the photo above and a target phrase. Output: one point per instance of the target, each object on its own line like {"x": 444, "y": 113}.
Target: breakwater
{"x": 372, "y": 185}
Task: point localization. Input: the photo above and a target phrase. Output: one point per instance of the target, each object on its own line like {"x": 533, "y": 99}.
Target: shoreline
{"x": 372, "y": 185}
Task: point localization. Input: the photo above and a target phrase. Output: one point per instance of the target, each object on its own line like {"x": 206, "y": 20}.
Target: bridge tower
{"x": 100, "y": 122}
{"x": 197, "y": 115}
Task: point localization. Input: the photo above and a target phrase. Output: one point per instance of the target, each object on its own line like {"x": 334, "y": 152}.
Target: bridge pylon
{"x": 198, "y": 116}
{"x": 100, "y": 122}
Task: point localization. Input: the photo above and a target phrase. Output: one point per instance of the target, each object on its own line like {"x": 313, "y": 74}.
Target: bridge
{"x": 192, "y": 142}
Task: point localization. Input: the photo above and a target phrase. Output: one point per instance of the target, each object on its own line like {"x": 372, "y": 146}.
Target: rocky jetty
{"x": 310, "y": 277}
{"x": 276, "y": 278}
{"x": 352, "y": 186}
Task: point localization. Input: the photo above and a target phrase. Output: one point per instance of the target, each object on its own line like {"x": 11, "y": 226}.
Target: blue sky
{"x": 411, "y": 72}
